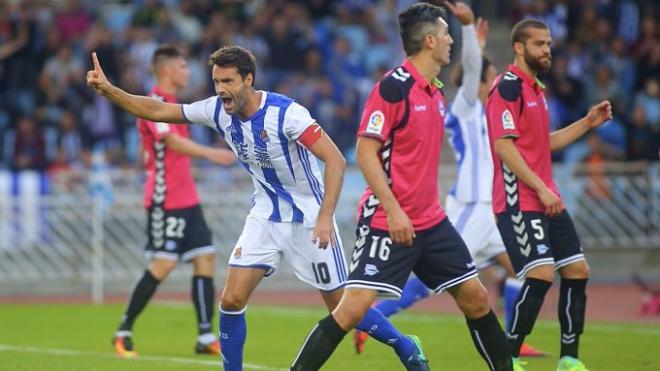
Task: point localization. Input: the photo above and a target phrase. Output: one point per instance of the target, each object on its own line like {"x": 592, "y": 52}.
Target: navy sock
{"x": 142, "y": 293}
{"x": 511, "y": 291}
{"x": 319, "y": 345}
{"x": 233, "y": 331}
{"x": 378, "y": 327}
{"x": 489, "y": 339}
{"x": 203, "y": 298}
{"x": 571, "y": 310}
{"x": 413, "y": 291}
{"x": 525, "y": 311}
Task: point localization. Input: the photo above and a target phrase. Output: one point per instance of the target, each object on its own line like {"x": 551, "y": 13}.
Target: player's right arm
{"x": 502, "y": 113}
{"x": 383, "y": 111}
{"x": 368, "y": 159}
{"x": 470, "y": 52}
{"x": 140, "y": 106}
{"x": 511, "y": 157}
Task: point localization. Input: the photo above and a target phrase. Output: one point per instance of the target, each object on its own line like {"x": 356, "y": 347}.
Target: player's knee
{"x": 544, "y": 273}
{"x": 204, "y": 265}
{"x": 475, "y": 304}
{"x": 161, "y": 268}
{"x": 232, "y": 302}
{"x": 578, "y": 270}
{"x": 353, "y": 314}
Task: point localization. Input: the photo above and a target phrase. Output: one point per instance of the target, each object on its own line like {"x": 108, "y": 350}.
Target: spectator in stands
{"x": 73, "y": 21}
{"x": 29, "y": 146}
{"x": 60, "y": 77}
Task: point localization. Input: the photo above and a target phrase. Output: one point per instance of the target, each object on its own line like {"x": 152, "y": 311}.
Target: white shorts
{"x": 476, "y": 224}
{"x": 263, "y": 243}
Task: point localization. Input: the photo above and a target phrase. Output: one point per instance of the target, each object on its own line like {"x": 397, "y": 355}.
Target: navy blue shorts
{"x": 438, "y": 257}
{"x": 179, "y": 234}
{"x": 533, "y": 239}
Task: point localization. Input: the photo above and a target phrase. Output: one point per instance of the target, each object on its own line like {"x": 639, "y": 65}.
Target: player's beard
{"x": 537, "y": 63}
{"x": 239, "y": 102}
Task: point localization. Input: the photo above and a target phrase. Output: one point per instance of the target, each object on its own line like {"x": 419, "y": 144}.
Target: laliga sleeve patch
{"x": 507, "y": 120}
{"x": 376, "y": 122}
{"x": 162, "y": 128}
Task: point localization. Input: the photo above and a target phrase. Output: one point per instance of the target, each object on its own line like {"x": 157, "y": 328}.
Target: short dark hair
{"x": 414, "y": 23}
{"x": 458, "y": 72}
{"x": 235, "y": 56}
{"x": 164, "y": 52}
{"x": 519, "y": 32}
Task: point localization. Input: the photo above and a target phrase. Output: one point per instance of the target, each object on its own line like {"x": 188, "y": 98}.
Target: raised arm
{"x": 471, "y": 50}
{"x": 596, "y": 116}
{"x": 140, "y": 106}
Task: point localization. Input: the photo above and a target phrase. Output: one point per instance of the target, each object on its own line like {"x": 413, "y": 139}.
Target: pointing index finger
{"x": 95, "y": 60}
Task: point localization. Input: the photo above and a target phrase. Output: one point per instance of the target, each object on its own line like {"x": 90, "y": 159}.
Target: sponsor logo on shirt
{"x": 441, "y": 108}
{"x": 419, "y": 108}
{"x": 376, "y": 121}
{"x": 507, "y": 120}
{"x": 531, "y": 104}
{"x": 162, "y": 127}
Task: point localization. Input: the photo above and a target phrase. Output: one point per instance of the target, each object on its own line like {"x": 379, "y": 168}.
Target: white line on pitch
{"x": 79, "y": 353}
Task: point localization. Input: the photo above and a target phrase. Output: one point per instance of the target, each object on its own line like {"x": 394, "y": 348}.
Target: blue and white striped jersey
{"x": 467, "y": 133}
{"x": 286, "y": 176}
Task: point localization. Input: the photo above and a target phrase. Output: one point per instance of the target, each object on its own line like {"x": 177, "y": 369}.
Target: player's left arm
{"x": 597, "y": 115}
{"x": 320, "y": 144}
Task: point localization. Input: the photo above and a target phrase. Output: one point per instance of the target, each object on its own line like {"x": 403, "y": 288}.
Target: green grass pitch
{"x": 77, "y": 337}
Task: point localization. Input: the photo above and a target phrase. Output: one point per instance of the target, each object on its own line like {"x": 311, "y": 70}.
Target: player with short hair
{"x": 537, "y": 231}
{"x": 176, "y": 229}
{"x": 468, "y": 203}
{"x": 402, "y": 228}
{"x": 292, "y": 216}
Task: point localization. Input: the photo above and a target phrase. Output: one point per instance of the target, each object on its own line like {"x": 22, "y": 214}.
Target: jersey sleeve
{"x": 382, "y": 111}
{"x": 296, "y": 120}
{"x": 202, "y": 112}
{"x": 503, "y": 110}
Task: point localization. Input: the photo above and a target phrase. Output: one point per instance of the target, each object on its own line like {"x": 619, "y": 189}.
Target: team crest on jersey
{"x": 238, "y": 252}
{"x": 507, "y": 120}
{"x": 441, "y": 108}
{"x": 170, "y": 245}
{"x": 376, "y": 121}
{"x": 541, "y": 249}
{"x": 263, "y": 134}
{"x": 370, "y": 270}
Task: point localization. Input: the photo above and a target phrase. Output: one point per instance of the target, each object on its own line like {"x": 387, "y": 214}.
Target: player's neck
{"x": 524, "y": 67}
{"x": 426, "y": 66}
{"x": 166, "y": 87}
{"x": 251, "y": 105}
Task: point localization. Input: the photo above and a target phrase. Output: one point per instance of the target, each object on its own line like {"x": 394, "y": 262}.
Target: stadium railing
{"x": 54, "y": 243}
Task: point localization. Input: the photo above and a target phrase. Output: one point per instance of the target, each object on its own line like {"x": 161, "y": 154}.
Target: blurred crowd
{"x": 604, "y": 50}
{"x": 326, "y": 54}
